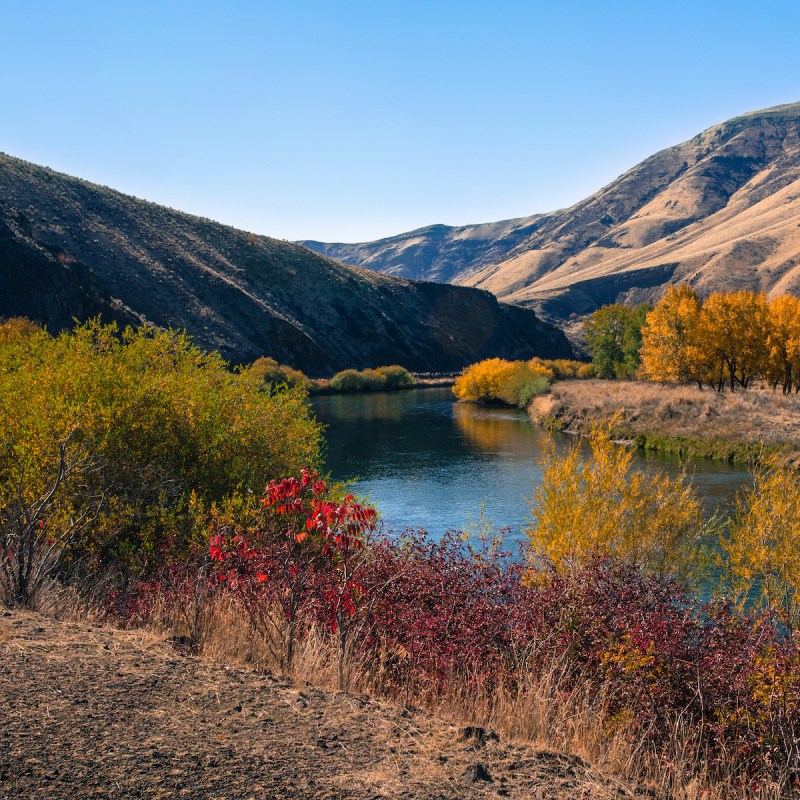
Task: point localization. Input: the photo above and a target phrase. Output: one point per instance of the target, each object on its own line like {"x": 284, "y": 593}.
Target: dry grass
{"x": 579, "y": 724}
{"x": 537, "y": 712}
{"x": 572, "y": 728}
{"x": 756, "y": 416}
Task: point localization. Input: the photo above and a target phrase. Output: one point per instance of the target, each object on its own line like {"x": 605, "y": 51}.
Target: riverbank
{"x": 739, "y": 427}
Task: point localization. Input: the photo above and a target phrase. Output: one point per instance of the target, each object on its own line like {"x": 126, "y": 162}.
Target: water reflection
{"x": 426, "y": 461}
{"x": 498, "y": 431}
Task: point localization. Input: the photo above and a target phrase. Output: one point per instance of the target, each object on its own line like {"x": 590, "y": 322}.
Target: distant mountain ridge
{"x": 720, "y": 211}
{"x": 437, "y": 252}
{"x": 69, "y": 248}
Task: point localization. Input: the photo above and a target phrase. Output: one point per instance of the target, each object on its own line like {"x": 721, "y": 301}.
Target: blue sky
{"x": 348, "y": 121}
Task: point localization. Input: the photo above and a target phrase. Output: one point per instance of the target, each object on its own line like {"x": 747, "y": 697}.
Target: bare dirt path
{"x": 88, "y": 711}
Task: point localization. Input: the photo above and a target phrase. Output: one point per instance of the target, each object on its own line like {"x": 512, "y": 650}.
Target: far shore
{"x": 321, "y": 388}
{"x": 742, "y": 427}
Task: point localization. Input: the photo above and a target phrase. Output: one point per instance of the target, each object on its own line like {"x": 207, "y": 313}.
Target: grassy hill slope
{"x": 720, "y": 211}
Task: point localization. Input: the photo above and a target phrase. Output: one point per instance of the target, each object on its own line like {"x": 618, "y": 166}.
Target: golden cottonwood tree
{"x": 783, "y": 342}
{"x": 670, "y": 349}
{"x": 729, "y": 339}
{"x": 733, "y": 333}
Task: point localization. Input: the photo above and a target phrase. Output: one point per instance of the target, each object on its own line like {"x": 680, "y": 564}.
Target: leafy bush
{"x": 303, "y": 558}
{"x": 113, "y": 445}
{"x": 396, "y": 376}
{"x": 16, "y": 328}
{"x": 564, "y": 369}
{"x": 761, "y": 548}
{"x": 597, "y": 505}
{"x": 496, "y": 380}
{"x": 371, "y": 380}
{"x": 351, "y": 380}
{"x": 521, "y": 384}
{"x": 269, "y": 371}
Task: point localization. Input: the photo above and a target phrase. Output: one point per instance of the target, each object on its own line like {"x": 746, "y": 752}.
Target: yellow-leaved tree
{"x": 595, "y": 504}
{"x": 761, "y": 549}
{"x": 670, "y": 347}
{"x": 783, "y": 342}
{"x": 733, "y": 334}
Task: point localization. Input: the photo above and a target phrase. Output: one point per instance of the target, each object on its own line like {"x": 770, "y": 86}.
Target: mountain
{"x": 721, "y": 211}
{"x": 69, "y": 248}
{"x": 436, "y": 253}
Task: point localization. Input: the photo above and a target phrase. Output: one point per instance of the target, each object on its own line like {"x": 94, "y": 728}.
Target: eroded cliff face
{"x": 69, "y": 248}
{"x": 721, "y": 211}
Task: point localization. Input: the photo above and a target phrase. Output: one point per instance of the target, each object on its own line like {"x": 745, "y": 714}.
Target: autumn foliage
{"x": 596, "y": 505}
{"x": 515, "y": 383}
{"x": 727, "y": 340}
{"x": 428, "y": 621}
{"x": 275, "y": 374}
{"x": 114, "y": 445}
{"x": 299, "y": 558}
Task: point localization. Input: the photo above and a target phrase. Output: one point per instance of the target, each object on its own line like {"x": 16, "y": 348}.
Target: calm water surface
{"x": 426, "y": 461}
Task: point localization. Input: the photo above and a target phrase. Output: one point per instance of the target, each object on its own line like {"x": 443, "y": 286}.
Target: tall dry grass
{"x": 756, "y": 415}
{"x": 536, "y": 710}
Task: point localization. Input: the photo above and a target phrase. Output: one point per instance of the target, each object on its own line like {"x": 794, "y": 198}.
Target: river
{"x": 426, "y": 461}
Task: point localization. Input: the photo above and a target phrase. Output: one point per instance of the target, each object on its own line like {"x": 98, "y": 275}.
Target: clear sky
{"x": 350, "y": 120}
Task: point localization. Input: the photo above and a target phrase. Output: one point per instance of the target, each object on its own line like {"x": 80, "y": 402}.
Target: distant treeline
{"x": 727, "y": 340}
{"x": 348, "y": 380}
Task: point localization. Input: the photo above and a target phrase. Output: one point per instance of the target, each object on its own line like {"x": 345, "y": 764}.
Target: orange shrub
{"x": 496, "y": 380}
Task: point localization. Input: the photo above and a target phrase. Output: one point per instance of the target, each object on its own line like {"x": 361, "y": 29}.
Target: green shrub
{"x": 135, "y": 436}
{"x": 270, "y": 372}
{"x": 371, "y": 380}
{"x": 348, "y": 380}
{"x": 396, "y": 376}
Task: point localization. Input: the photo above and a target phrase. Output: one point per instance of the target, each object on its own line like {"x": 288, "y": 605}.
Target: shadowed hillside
{"x": 721, "y": 211}
{"x": 69, "y": 248}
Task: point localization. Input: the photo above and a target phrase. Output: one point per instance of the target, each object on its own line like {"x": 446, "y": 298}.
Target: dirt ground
{"x": 88, "y": 711}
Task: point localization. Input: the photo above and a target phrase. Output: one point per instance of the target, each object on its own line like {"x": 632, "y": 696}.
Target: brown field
{"x": 661, "y": 412}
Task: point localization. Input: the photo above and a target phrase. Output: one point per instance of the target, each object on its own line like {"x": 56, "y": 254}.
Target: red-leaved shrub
{"x": 425, "y": 618}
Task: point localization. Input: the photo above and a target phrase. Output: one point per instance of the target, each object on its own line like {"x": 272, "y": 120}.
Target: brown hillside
{"x": 69, "y": 248}
{"x": 721, "y": 211}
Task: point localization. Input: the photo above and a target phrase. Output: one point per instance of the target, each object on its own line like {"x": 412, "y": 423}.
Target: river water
{"x": 426, "y": 461}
